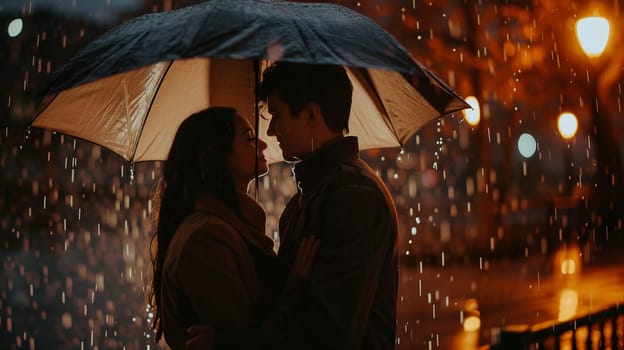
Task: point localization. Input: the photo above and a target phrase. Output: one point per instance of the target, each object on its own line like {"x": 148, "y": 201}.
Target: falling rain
{"x": 510, "y": 214}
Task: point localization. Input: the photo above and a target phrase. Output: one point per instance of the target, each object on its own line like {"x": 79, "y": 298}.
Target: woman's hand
{"x": 199, "y": 338}
{"x": 305, "y": 257}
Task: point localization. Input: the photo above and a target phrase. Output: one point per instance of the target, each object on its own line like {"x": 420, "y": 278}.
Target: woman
{"x": 213, "y": 264}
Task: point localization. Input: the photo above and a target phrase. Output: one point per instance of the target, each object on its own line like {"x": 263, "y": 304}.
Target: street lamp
{"x": 567, "y": 204}
{"x": 593, "y": 35}
{"x": 567, "y": 124}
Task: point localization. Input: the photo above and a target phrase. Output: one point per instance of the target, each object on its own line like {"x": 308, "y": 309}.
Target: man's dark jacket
{"x": 353, "y": 283}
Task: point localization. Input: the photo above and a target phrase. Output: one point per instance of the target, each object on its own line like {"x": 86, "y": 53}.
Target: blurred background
{"x": 511, "y": 214}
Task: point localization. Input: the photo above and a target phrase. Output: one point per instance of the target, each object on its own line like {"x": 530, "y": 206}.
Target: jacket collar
{"x": 309, "y": 172}
{"x": 250, "y": 223}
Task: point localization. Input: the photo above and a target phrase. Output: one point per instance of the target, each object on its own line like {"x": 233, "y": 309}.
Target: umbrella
{"x": 129, "y": 89}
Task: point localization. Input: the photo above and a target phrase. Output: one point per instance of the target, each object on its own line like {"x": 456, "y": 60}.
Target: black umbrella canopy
{"x": 129, "y": 89}
{"x": 318, "y": 33}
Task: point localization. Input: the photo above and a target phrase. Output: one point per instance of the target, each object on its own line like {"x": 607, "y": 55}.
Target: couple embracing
{"x": 217, "y": 283}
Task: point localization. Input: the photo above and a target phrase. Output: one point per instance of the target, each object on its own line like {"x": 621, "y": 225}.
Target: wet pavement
{"x": 435, "y": 300}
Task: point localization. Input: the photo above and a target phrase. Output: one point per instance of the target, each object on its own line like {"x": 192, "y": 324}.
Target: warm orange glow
{"x": 568, "y": 303}
{"x": 568, "y": 267}
{"x": 593, "y": 35}
{"x": 472, "y": 324}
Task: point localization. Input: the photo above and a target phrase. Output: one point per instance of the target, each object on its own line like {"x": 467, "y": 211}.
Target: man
{"x": 351, "y": 298}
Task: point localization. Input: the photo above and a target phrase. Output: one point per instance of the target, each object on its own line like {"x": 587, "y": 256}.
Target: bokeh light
{"x": 567, "y": 124}
{"x": 472, "y": 324}
{"x": 472, "y": 116}
{"x": 527, "y": 145}
{"x": 568, "y": 267}
{"x": 15, "y": 27}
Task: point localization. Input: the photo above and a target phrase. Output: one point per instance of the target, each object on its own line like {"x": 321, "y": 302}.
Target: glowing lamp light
{"x": 593, "y": 35}
{"x": 567, "y": 125}
{"x": 472, "y": 116}
{"x": 15, "y": 27}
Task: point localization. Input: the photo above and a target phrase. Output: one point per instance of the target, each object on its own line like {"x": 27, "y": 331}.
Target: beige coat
{"x": 209, "y": 275}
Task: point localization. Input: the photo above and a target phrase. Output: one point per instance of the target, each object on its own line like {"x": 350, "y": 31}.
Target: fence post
{"x": 513, "y": 337}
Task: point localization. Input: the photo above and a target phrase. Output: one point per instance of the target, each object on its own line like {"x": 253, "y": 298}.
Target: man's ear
{"x": 313, "y": 112}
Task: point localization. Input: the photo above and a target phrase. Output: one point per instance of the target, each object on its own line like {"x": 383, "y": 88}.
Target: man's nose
{"x": 262, "y": 144}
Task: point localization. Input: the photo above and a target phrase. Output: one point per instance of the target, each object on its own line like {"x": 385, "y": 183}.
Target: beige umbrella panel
{"x": 136, "y": 113}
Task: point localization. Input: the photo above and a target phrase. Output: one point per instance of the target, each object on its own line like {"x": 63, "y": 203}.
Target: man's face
{"x": 291, "y": 130}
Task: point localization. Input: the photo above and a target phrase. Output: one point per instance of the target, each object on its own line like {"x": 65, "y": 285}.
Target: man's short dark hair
{"x": 298, "y": 84}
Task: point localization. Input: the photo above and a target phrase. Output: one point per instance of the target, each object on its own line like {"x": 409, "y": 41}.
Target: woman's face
{"x": 242, "y": 159}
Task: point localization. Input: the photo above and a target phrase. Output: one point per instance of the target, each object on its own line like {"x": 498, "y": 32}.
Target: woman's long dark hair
{"x": 197, "y": 163}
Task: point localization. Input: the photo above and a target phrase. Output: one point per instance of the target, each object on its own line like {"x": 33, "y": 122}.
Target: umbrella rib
{"x": 256, "y": 65}
{"x": 149, "y": 109}
{"x": 44, "y": 105}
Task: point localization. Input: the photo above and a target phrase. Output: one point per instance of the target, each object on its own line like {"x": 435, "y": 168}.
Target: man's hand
{"x": 200, "y": 338}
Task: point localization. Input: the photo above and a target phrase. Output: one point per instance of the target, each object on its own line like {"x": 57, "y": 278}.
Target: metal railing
{"x": 598, "y": 330}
